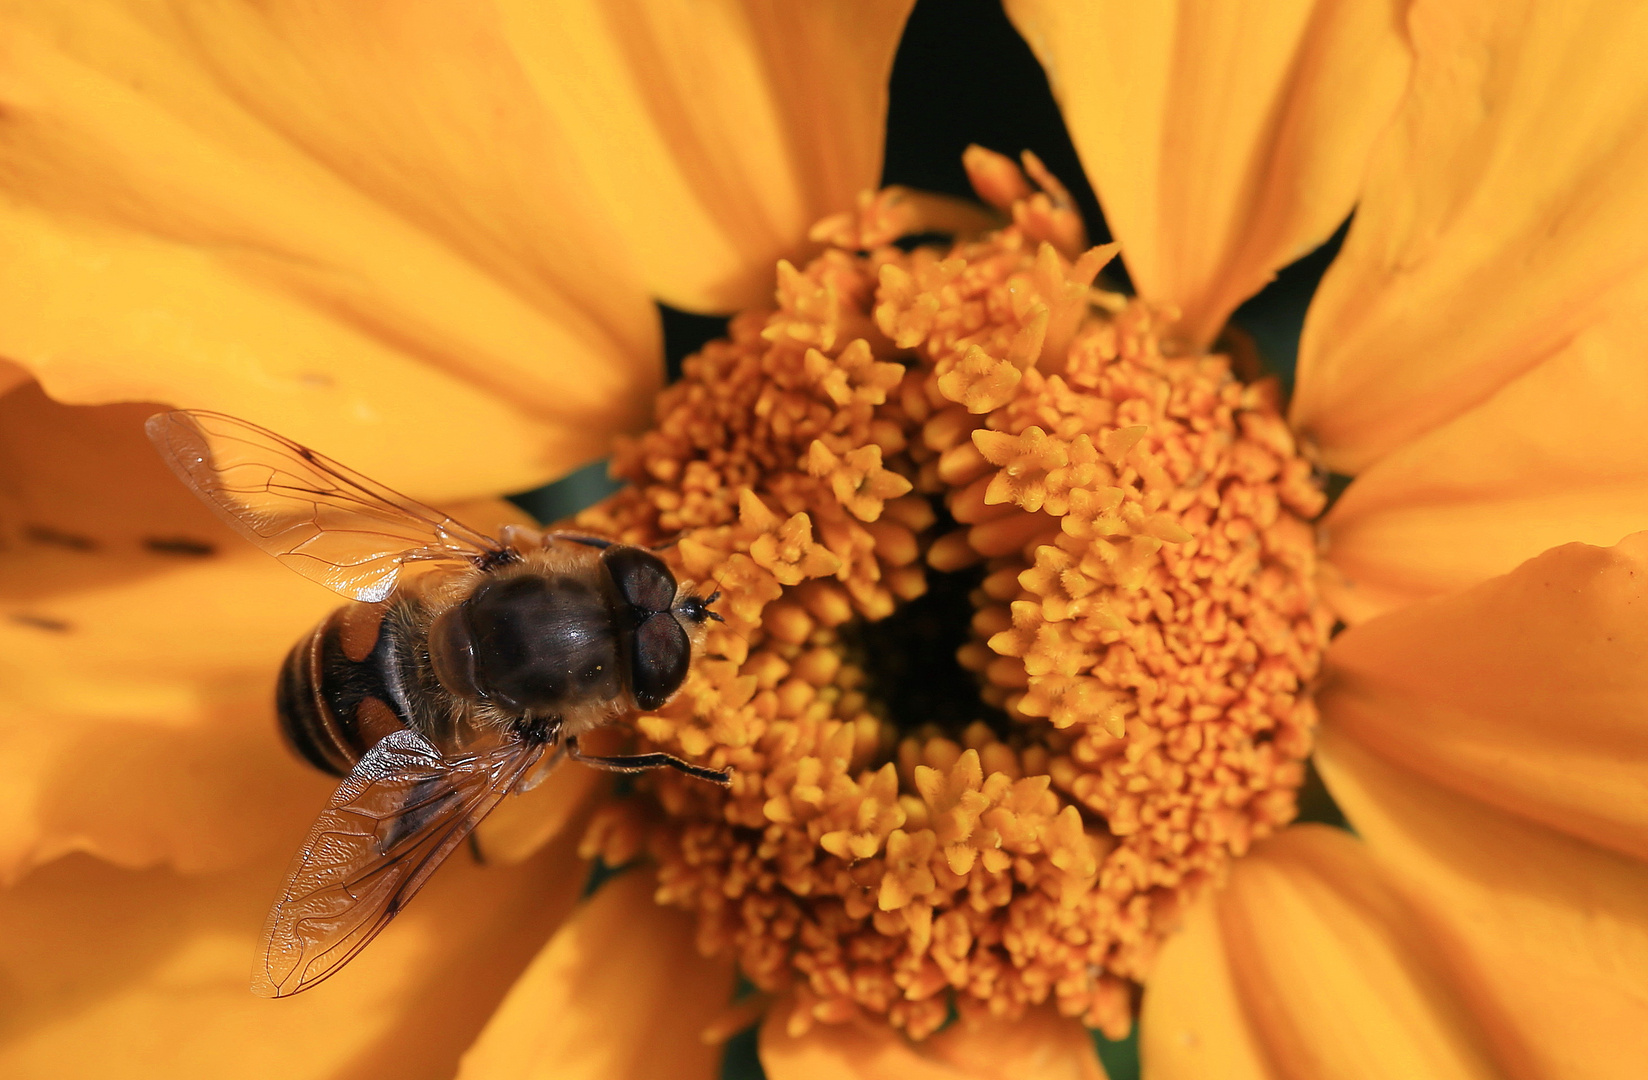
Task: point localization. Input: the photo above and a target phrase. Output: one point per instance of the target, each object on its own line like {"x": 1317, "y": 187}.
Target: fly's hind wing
{"x": 394, "y": 819}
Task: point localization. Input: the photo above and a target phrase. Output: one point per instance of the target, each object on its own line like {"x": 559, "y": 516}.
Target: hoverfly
{"x": 465, "y": 668}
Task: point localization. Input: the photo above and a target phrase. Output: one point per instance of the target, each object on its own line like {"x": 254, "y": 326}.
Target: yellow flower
{"x": 422, "y": 238}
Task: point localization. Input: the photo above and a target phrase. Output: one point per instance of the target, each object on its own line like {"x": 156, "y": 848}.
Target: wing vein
{"x": 347, "y": 883}
{"x": 319, "y": 517}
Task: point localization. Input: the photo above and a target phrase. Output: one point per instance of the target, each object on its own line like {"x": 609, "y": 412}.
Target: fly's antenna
{"x": 704, "y": 607}
{"x": 697, "y": 608}
{"x": 710, "y": 599}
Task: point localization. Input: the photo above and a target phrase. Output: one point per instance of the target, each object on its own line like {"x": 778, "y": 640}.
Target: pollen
{"x": 1128, "y": 532}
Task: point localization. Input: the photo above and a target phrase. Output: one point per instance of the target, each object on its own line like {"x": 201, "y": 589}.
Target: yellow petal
{"x": 716, "y": 133}
{"x": 1500, "y": 212}
{"x": 1332, "y": 969}
{"x": 1546, "y": 936}
{"x": 522, "y": 825}
{"x": 620, "y": 991}
{"x": 844, "y": 1052}
{"x": 139, "y": 643}
{"x": 353, "y": 225}
{"x": 1559, "y": 454}
{"x": 1192, "y": 1023}
{"x": 12, "y": 376}
{"x": 137, "y": 655}
{"x": 1042, "y": 1044}
{"x": 140, "y": 974}
{"x": 1224, "y": 140}
{"x": 1528, "y": 692}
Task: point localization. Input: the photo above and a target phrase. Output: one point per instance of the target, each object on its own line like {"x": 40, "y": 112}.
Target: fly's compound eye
{"x": 642, "y": 579}
{"x": 661, "y": 649}
{"x": 659, "y": 665}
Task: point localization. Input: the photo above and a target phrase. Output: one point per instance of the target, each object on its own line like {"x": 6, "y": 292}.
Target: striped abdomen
{"x": 342, "y": 687}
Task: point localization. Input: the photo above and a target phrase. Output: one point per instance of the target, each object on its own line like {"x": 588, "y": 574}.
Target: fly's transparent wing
{"x": 322, "y": 519}
{"x": 392, "y": 821}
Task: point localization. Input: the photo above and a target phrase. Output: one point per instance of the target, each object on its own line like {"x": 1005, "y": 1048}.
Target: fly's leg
{"x": 634, "y": 763}
{"x": 540, "y": 772}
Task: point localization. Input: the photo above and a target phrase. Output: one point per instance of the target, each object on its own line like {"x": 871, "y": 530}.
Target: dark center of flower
{"x": 913, "y": 678}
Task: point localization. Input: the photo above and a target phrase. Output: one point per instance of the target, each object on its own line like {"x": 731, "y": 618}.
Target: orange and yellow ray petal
{"x": 1559, "y": 454}
{"x": 1329, "y": 969}
{"x": 1528, "y": 692}
{"x": 716, "y": 134}
{"x": 1224, "y": 140}
{"x": 1544, "y": 936}
{"x": 1042, "y": 1044}
{"x": 139, "y": 642}
{"x": 12, "y": 376}
{"x": 139, "y": 974}
{"x": 522, "y": 825}
{"x": 1501, "y": 215}
{"x": 621, "y": 990}
{"x": 844, "y": 1052}
{"x": 138, "y": 651}
{"x": 1192, "y": 1023}
{"x": 354, "y": 225}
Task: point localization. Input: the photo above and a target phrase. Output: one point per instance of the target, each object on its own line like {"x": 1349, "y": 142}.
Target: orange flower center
{"x": 930, "y": 457}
